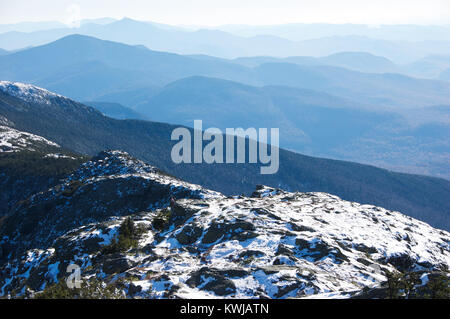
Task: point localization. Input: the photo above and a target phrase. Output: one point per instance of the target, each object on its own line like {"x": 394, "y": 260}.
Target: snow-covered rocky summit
{"x": 30, "y": 163}
{"x": 39, "y": 98}
{"x": 28, "y": 92}
{"x": 273, "y": 244}
{"x": 114, "y": 164}
{"x": 111, "y": 184}
{"x": 12, "y": 140}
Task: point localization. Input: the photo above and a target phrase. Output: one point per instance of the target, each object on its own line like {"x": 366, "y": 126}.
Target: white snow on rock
{"x": 12, "y": 140}
{"x": 301, "y": 244}
{"x": 116, "y": 164}
{"x": 58, "y": 155}
{"x": 275, "y": 244}
{"x": 28, "y": 92}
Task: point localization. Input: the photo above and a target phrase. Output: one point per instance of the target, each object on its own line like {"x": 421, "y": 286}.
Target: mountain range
{"x": 109, "y": 217}
{"x": 223, "y": 44}
{"x": 98, "y": 63}
{"x": 84, "y": 130}
{"x": 358, "y": 208}
{"x": 305, "y": 31}
{"x": 393, "y": 110}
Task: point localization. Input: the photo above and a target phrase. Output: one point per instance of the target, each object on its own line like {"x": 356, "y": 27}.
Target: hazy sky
{"x": 217, "y": 12}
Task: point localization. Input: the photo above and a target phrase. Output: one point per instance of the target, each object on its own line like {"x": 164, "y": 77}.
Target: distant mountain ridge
{"x": 100, "y": 73}
{"x": 226, "y": 45}
{"x": 356, "y": 61}
{"x": 102, "y": 64}
{"x": 310, "y": 121}
{"x": 99, "y": 69}
{"x": 305, "y": 31}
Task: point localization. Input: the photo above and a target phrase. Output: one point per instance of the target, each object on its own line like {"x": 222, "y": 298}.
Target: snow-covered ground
{"x": 275, "y": 244}
{"x": 12, "y": 140}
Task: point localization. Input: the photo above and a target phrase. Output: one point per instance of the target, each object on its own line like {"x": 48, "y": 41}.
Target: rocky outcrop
{"x": 111, "y": 184}
{"x": 274, "y": 244}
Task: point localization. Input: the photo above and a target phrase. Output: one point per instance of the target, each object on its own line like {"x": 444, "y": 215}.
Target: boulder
{"x": 189, "y": 234}
{"x": 239, "y": 230}
{"x": 116, "y": 263}
{"x": 210, "y": 279}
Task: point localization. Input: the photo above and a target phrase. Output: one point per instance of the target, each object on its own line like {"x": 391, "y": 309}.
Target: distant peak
{"x": 128, "y": 20}
{"x": 352, "y": 54}
{"x": 77, "y": 36}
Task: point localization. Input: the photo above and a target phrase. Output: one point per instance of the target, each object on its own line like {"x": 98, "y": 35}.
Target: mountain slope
{"x": 85, "y": 130}
{"x": 111, "y": 184}
{"x": 385, "y": 91}
{"x": 360, "y": 61}
{"x": 72, "y": 58}
{"x": 219, "y": 103}
{"x": 311, "y": 122}
{"x": 12, "y": 141}
{"x": 29, "y": 164}
{"x": 116, "y": 110}
{"x": 274, "y": 244}
{"x": 428, "y": 67}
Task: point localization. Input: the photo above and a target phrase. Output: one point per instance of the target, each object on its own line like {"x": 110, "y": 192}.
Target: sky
{"x": 215, "y": 12}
